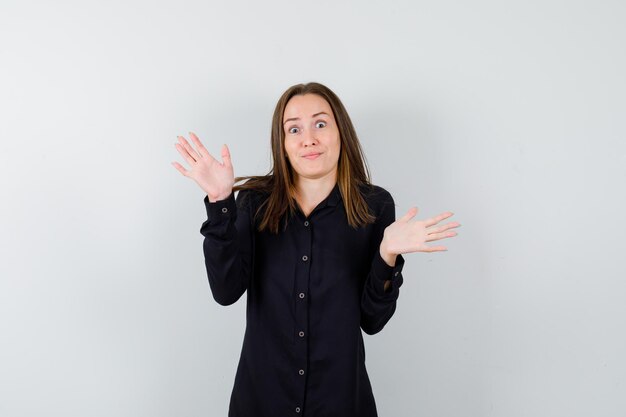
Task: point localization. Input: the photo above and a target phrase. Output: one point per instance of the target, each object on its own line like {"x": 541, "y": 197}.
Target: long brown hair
{"x": 279, "y": 183}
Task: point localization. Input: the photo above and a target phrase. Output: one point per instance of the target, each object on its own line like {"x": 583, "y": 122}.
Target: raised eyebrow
{"x": 297, "y": 118}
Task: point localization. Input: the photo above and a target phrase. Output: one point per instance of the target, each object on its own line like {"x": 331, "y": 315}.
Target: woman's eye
{"x": 324, "y": 123}
{"x": 291, "y": 129}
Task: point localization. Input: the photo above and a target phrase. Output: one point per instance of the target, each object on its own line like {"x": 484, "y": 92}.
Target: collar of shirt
{"x": 334, "y": 197}
{"x": 331, "y": 200}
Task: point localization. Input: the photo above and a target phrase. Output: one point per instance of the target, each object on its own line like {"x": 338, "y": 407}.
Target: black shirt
{"x": 310, "y": 291}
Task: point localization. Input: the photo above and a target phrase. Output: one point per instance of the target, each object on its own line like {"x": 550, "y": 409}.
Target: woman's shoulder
{"x": 376, "y": 194}
{"x": 250, "y": 197}
{"x": 254, "y": 191}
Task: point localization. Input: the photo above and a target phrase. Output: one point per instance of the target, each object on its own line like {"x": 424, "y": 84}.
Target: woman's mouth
{"x": 312, "y": 156}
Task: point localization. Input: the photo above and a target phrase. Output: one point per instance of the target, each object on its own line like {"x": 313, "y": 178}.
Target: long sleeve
{"x": 228, "y": 246}
{"x": 378, "y": 305}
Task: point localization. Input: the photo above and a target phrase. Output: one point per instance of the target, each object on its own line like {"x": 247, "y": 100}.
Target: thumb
{"x": 409, "y": 214}
{"x": 226, "y": 156}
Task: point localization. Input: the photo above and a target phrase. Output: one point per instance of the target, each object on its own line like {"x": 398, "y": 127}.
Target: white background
{"x": 510, "y": 114}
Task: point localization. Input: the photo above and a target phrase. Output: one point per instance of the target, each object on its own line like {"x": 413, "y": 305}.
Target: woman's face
{"x": 312, "y": 138}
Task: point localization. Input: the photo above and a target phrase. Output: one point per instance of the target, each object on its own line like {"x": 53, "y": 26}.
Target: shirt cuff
{"x": 383, "y": 272}
{"x": 221, "y": 210}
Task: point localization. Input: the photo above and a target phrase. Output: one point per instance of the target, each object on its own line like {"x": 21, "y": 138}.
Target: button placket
{"x": 303, "y": 270}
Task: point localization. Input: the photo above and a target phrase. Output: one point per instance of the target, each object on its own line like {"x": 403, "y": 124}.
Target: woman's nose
{"x": 309, "y": 138}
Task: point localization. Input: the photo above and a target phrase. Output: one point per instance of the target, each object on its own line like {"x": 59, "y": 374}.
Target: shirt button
{"x": 301, "y": 334}
{"x": 306, "y": 222}
{"x": 224, "y": 209}
{"x": 396, "y": 274}
{"x": 304, "y": 258}
{"x": 301, "y": 371}
{"x": 301, "y": 295}
{"x": 297, "y": 409}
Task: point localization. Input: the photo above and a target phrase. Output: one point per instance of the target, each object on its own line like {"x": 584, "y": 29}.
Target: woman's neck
{"x": 311, "y": 191}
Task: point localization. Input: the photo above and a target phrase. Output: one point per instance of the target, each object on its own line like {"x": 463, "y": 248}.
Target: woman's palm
{"x": 404, "y": 236}
{"x": 214, "y": 177}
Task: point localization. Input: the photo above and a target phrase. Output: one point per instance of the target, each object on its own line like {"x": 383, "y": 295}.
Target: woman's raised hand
{"x": 214, "y": 177}
{"x": 404, "y": 236}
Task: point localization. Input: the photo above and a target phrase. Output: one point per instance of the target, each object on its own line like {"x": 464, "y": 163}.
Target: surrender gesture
{"x": 214, "y": 177}
{"x": 404, "y": 236}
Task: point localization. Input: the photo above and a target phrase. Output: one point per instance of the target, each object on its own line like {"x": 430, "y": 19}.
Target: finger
{"x": 226, "y": 156}
{"x": 437, "y": 236}
{"x": 434, "y": 249}
{"x": 442, "y": 228}
{"x": 192, "y": 152}
{"x": 434, "y": 220}
{"x": 185, "y": 149}
{"x": 180, "y": 168}
{"x": 184, "y": 153}
{"x": 409, "y": 214}
{"x": 204, "y": 153}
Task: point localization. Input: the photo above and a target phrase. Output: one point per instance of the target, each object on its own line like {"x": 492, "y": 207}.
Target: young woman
{"x": 319, "y": 252}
